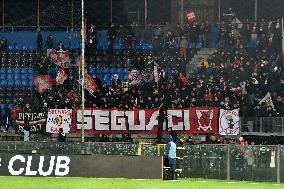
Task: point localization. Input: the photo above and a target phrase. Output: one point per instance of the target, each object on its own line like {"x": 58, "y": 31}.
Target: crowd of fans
{"x": 238, "y": 75}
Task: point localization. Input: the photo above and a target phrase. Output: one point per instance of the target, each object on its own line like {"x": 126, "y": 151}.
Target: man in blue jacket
{"x": 171, "y": 155}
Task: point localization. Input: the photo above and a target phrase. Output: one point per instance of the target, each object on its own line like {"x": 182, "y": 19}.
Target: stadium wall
{"x": 101, "y": 166}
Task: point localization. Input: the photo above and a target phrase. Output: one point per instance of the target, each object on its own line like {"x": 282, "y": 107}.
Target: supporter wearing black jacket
{"x": 61, "y": 136}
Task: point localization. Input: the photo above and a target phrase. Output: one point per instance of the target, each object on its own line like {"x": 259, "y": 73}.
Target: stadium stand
{"x": 144, "y": 67}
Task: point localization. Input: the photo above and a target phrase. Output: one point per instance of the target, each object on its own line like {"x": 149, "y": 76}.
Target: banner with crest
{"x": 203, "y": 120}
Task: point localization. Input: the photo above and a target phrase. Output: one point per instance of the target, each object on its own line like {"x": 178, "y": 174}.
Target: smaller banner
{"x": 203, "y": 120}
{"x": 58, "y": 118}
{"x": 60, "y": 58}
{"x": 42, "y": 83}
{"x": 36, "y": 120}
{"x": 229, "y": 122}
{"x": 267, "y": 100}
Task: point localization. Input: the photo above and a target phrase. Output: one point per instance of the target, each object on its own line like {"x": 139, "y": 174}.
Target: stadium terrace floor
{"x": 95, "y": 183}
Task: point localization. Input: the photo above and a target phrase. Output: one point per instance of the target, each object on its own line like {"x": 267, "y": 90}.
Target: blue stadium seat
{"x": 98, "y": 70}
{"x": 24, "y": 83}
{"x": 24, "y": 76}
{"x": 17, "y": 70}
{"x": 30, "y": 76}
{"x": 24, "y": 70}
{"x": 199, "y": 45}
{"x": 10, "y": 106}
{"x": 168, "y": 71}
{"x": 3, "y": 107}
{"x": 3, "y": 83}
{"x": 105, "y": 70}
{"x": 10, "y": 76}
{"x": 119, "y": 70}
{"x": 191, "y": 45}
{"x": 112, "y": 70}
{"x": 17, "y": 83}
{"x": 106, "y": 77}
{"x": 31, "y": 83}
{"x": 17, "y": 76}
{"x": 121, "y": 76}
{"x": 125, "y": 70}
{"x": 10, "y": 83}
{"x": 30, "y": 70}
{"x": 3, "y": 76}
{"x": 2, "y": 70}
{"x": 91, "y": 71}
{"x": 10, "y": 70}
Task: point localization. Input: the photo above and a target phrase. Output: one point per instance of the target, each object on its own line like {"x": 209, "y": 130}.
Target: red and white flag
{"x": 60, "y": 58}
{"x": 89, "y": 83}
{"x": 42, "y": 83}
{"x": 191, "y": 17}
{"x": 61, "y": 76}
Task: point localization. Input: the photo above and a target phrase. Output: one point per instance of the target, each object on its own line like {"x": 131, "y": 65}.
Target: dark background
{"x": 124, "y": 11}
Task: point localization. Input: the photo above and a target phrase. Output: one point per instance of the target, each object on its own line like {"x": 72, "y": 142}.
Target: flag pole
{"x": 83, "y": 71}
{"x": 282, "y": 40}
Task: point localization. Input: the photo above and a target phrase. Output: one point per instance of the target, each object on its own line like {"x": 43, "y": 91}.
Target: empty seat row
{"x": 16, "y": 83}
{"x": 16, "y": 76}
{"x": 107, "y": 70}
{"x": 17, "y": 70}
{"x": 26, "y": 40}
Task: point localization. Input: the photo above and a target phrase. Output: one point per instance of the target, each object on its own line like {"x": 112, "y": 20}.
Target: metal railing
{"x": 262, "y": 125}
{"x": 231, "y": 162}
{"x": 41, "y": 28}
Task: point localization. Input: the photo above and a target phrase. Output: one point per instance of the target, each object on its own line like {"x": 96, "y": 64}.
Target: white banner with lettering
{"x": 229, "y": 122}
{"x": 58, "y": 118}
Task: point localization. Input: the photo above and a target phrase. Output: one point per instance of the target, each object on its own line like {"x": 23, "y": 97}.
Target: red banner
{"x": 203, "y": 120}
{"x": 144, "y": 121}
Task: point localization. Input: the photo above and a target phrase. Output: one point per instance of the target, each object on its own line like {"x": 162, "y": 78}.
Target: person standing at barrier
{"x": 180, "y": 154}
{"x": 161, "y": 119}
{"x": 171, "y": 155}
{"x": 27, "y": 128}
{"x": 61, "y": 135}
